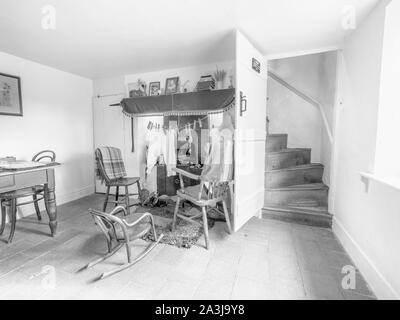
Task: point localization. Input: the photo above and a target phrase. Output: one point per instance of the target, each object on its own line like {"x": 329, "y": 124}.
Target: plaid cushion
{"x": 113, "y": 163}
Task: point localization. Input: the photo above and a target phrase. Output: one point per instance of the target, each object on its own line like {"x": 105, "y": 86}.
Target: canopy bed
{"x": 188, "y": 112}
{"x": 183, "y": 113}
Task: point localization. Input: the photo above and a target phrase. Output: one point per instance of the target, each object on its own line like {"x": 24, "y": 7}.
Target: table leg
{"x": 13, "y": 210}
{"x": 50, "y": 201}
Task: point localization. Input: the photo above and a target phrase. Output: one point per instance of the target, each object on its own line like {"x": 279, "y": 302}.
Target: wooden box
{"x": 169, "y": 185}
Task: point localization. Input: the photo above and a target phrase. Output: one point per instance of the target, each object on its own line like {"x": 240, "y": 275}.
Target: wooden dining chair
{"x": 121, "y": 232}
{"x": 9, "y": 200}
{"x": 207, "y": 195}
{"x": 118, "y": 181}
{"x": 115, "y": 177}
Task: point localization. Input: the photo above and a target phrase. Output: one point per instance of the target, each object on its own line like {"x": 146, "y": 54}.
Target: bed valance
{"x": 183, "y": 104}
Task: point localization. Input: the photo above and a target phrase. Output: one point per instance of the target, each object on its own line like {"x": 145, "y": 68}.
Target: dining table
{"x": 30, "y": 175}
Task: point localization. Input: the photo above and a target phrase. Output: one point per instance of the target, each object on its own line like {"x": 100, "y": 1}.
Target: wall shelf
{"x": 189, "y": 103}
{"x": 368, "y": 177}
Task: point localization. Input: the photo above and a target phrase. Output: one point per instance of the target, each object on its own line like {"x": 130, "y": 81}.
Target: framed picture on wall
{"x": 171, "y": 85}
{"x": 154, "y": 88}
{"x": 10, "y": 95}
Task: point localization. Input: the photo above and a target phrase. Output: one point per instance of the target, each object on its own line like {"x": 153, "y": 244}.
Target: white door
{"x": 250, "y": 136}
{"x": 108, "y": 126}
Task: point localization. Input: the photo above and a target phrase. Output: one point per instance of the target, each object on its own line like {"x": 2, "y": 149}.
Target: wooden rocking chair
{"x": 203, "y": 197}
{"x": 123, "y": 232}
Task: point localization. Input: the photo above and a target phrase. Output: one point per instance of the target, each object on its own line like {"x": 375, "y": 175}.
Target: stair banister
{"x": 305, "y": 97}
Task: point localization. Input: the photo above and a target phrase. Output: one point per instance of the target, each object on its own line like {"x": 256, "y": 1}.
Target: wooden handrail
{"x": 306, "y": 98}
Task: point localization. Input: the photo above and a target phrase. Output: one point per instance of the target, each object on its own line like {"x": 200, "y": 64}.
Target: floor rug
{"x": 186, "y": 234}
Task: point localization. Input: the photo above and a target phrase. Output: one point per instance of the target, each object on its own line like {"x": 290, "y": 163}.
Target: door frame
{"x": 337, "y": 108}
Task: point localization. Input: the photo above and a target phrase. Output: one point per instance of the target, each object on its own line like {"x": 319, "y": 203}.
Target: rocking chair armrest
{"x": 117, "y": 210}
{"x": 110, "y": 216}
{"x": 145, "y": 215}
{"x": 153, "y": 226}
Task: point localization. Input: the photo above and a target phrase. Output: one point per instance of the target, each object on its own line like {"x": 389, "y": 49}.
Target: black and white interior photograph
{"x": 199, "y": 150}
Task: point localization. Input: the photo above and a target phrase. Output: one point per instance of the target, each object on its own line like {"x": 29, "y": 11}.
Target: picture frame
{"x": 256, "y": 65}
{"x": 137, "y": 89}
{"x": 10, "y": 95}
{"x": 172, "y": 85}
{"x": 154, "y": 88}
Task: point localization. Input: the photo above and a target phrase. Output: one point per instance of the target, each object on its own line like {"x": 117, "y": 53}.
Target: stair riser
{"x": 315, "y": 221}
{"x": 276, "y": 143}
{"x": 287, "y": 159}
{"x": 288, "y": 197}
{"x": 279, "y": 179}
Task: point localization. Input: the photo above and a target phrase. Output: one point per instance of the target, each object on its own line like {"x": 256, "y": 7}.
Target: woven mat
{"x": 185, "y": 235}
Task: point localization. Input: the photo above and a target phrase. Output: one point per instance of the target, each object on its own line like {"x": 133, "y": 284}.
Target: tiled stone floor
{"x": 266, "y": 260}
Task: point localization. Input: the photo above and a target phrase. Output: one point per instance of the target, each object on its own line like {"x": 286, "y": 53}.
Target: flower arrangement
{"x": 220, "y": 75}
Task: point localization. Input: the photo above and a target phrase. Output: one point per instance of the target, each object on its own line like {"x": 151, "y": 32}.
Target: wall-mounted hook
{"x": 243, "y": 103}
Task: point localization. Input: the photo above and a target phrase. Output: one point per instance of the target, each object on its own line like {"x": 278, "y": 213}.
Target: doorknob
{"x": 243, "y": 103}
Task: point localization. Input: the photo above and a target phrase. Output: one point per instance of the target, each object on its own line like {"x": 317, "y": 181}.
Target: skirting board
{"x": 380, "y": 286}
{"x": 75, "y": 195}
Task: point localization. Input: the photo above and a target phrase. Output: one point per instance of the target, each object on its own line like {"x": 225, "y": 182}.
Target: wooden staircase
{"x": 294, "y": 190}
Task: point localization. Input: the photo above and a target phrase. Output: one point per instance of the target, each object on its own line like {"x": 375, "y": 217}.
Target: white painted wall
{"x": 387, "y": 161}
{"x": 108, "y": 121}
{"x": 315, "y": 76}
{"x": 118, "y": 132}
{"x": 366, "y": 222}
{"x": 58, "y": 116}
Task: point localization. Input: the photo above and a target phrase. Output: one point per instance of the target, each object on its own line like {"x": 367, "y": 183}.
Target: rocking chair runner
{"x": 204, "y": 198}
{"x": 123, "y": 232}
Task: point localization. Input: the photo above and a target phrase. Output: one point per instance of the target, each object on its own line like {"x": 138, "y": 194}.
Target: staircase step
{"x": 276, "y": 142}
{"x": 317, "y": 217}
{"x": 287, "y": 158}
{"x": 298, "y": 175}
{"x": 316, "y": 194}
{"x": 304, "y": 203}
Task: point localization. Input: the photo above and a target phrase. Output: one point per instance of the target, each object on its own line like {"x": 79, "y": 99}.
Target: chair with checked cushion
{"x": 111, "y": 169}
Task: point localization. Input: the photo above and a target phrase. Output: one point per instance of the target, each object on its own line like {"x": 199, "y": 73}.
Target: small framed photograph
{"x": 10, "y": 95}
{"x": 154, "y": 88}
{"x": 256, "y": 65}
{"x": 137, "y": 89}
{"x": 171, "y": 85}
